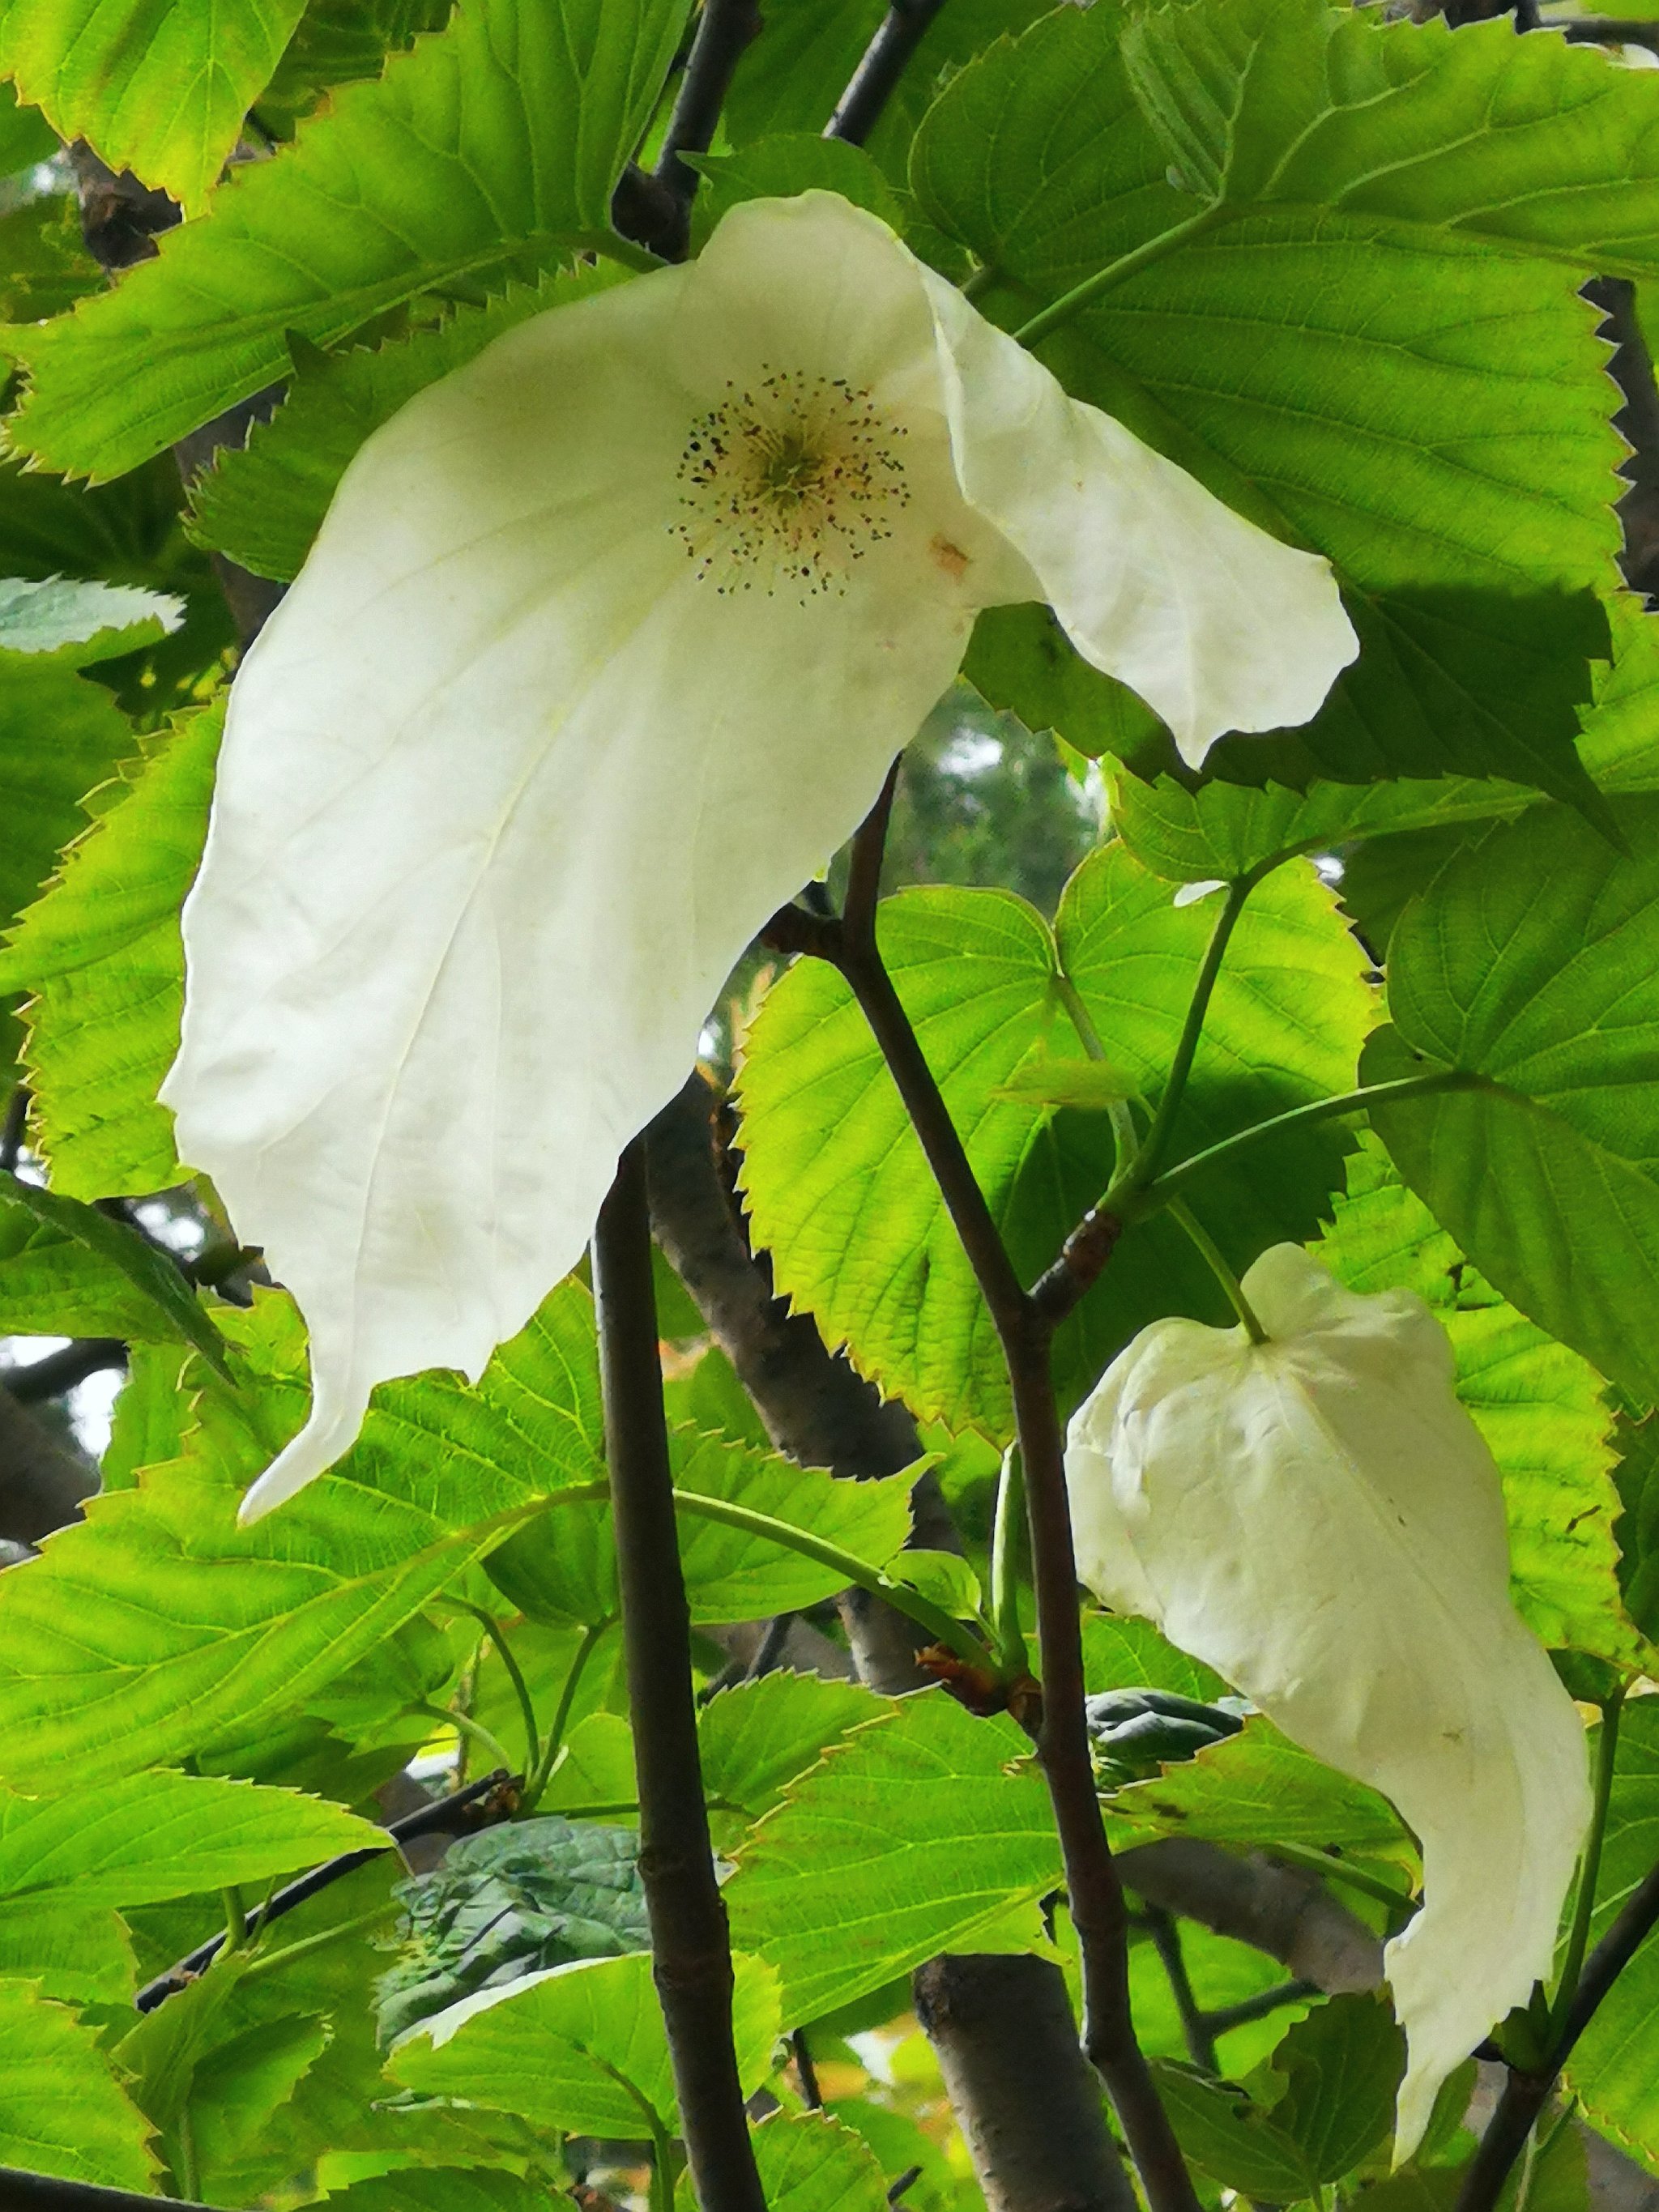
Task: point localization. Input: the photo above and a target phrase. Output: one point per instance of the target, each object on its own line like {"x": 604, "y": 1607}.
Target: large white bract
{"x": 1319, "y": 1520}
{"x": 605, "y": 647}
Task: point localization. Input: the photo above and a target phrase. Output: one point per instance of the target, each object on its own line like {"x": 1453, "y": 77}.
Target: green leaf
{"x": 1229, "y": 2138}
{"x": 239, "y": 2087}
{"x": 1337, "y": 2070}
{"x": 1380, "y": 366}
{"x": 1119, "y": 1654}
{"x": 76, "y": 623}
{"x": 81, "y": 1956}
{"x": 156, "y": 1626}
{"x": 758, "y": 1737}
{"x": 778, "y": 167}
{"x": 155, "y": 1836}
{"x": 1020, "y": 659}
{"x": 160, "y": 2053}
{"x": 1540, "y": 1407}
{"x": 441, "y": 2189}
{"x": 508, "y": 1903}
{"x": 127, "y": 532}
{"x": 730, "y": 1575}
{"x": 62, "y": 2110}
{"x": 1282, "y": 102}
{"x": 59, "y": 736}
{"x": 26, "y": 137}
{"x": 561, "y": 1566}
{"x": 532, "y": 1425}
{"x": 835, "y": 1181}
{"x": 1534, "y": 964}
{"x": 809, "y": 2162}
{"x": 1382, "y": 878}
{"x": 339, "y": 41}
{"x": 157, "y": 89}
{"x": 1637, "y": 1476}
{"x": 596, "y": 1767}
{"x": 337, "y": 2103}
{"x": 66, "y": 1269}
{"x": 262, "y": 504}
{"x": 581, "y": 2047}
{"x": 416, "y": 181}
{"x": 944, "y": 1577}
{"x": 102, "y": 954}
{"x": 1090, "y": 1085}
{"x": 1611, "y": 2069}
{"x": 44, "y": 267}
{"x": 1220, "y": 832}
{"x": 1618, "y": 746}
{"x": 922, "y": 1833}
{"x": 1260, "y": 1790}
{"x": 1343, "y": 2065}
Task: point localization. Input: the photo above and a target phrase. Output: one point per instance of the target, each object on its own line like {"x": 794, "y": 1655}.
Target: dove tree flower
{"x": 605, "y": 646}
{"x": 1318, "y": 1518}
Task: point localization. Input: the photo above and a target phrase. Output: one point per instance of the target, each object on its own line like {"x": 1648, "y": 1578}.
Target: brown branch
{"x": 883, "y": 62}
{"x": 43, "y": 1482}
{"x": 858, "y": 920}
{"x": 821, "y": 1413}
{"x": 1284, "y": 1911}
{"x": 1029, "y": 2105}
{"x": 1098, "y": 1914}
{"x": 724, "y": 29}
{"x": 691, "y": 1945}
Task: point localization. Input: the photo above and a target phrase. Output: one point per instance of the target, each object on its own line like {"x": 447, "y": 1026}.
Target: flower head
{"x": 605, "y": 646}
{"x": 1318, "y": 1518}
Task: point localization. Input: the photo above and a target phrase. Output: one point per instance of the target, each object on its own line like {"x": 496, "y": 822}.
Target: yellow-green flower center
{"x": 784, "y": 487}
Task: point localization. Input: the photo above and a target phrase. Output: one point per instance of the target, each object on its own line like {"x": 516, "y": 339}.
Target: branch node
{"x": 1082, "y": 1259}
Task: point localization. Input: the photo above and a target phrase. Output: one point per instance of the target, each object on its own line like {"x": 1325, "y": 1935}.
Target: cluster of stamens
{"x": 786, "y": 486}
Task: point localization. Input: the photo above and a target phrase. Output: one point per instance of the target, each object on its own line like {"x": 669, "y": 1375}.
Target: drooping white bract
{"x": 1319, "y": 1520}
{"x": 605, "y": 647}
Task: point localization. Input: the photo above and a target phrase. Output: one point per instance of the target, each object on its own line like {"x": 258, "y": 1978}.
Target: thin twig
{"x": 725, "y": 28}
{"x": 769, "y": 1652}
{"x": 907, "y": 2181}
{"x": 11, "y": 1138}
{"x": 1025, "y": 1334}
{"x": 47, "y": 2192}
{"x": 1262, "y": 2005}
{"x": 462, "y": 1808}
{"x": 1196, "y": 2029}
{"x": 692, "y": 1955}
{"x": 858, "y": 920}
{"x": 812, "y": 2095}
{"x": 883, "y": 64}
{"x": 1604, "y": 31}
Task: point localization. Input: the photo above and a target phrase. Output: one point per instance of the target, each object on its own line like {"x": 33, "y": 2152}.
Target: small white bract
{"x": 605, "y": 647}
{"x": 1319, "y": 1520}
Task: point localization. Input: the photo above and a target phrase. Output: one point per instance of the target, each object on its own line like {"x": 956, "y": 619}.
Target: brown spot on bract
{"x": 951, "y": 558}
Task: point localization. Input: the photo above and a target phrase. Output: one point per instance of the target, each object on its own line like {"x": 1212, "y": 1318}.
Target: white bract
{"x": 1319, "y": 1520}
{"x": 605, "y": 646}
